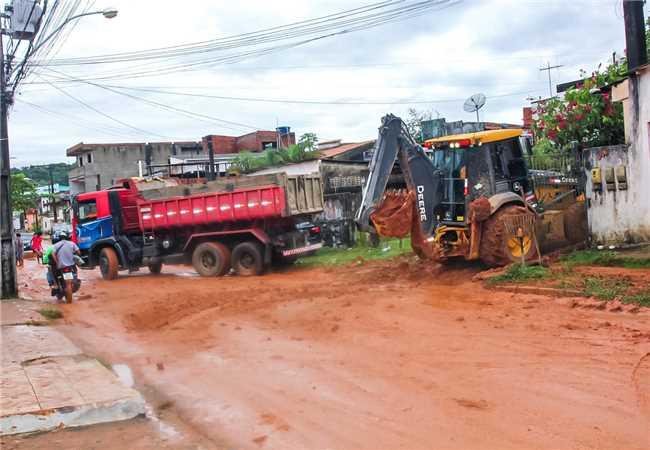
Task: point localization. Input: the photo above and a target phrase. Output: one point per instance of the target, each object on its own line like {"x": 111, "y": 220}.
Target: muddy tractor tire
{"x": 248, "y": 259}
{"x": 211, "y": 259}
{"x": 498, "y": 246}
{"x": 576, "y": 228}
{"x": 155, "y": 268}
{"x": 108, "y": 263}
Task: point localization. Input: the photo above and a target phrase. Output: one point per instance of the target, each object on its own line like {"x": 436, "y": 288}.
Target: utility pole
{"x": 9, "y": 283}
{"x": 548, "y": 69}
{"x": 635, "y": 45}
{"x": 52, "y": 193}
{"x": 8, "y": 279}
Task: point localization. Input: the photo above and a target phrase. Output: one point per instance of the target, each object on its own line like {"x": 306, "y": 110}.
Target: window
{"x": 81, "y": 161}
{"x": 87, "y": 211}
{"x": 90, "y": 158}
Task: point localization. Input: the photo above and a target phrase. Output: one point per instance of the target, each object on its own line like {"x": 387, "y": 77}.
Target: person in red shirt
{"x": 37, "y": 246}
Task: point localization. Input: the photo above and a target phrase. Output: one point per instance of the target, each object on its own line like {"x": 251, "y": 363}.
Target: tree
{"x": 308, "y": 141}
{"x": 23, "y": 193}
{"x": 304, "y": 150}
{"x": 414, "y": 122}
{"x": 586, "y": 115}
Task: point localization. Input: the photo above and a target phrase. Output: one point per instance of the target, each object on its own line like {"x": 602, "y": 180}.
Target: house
{"x": 54, "y": 204}
{"x": 256, "y": 141}
{"x": 99, "y": 166}
{"x": 618, "y": 177}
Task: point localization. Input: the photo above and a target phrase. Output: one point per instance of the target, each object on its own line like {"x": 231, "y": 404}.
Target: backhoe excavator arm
{"x": 422, "y": 179}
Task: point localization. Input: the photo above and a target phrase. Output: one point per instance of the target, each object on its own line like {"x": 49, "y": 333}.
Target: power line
{"x": 92, "y": 108}
{"x": 223, "y": 123}
{"x": 304, "y": 102}
{"x": 75, "y": 120}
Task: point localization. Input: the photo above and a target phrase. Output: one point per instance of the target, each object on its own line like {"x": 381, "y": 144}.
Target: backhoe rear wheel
{"x": 498, "y": 246}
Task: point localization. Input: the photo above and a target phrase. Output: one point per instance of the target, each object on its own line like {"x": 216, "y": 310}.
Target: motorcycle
{"x": 60, "y": 290}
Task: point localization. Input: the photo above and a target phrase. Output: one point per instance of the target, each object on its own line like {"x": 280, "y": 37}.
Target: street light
{"x": 107, "y": 13}
{"x": 8, "y": 281}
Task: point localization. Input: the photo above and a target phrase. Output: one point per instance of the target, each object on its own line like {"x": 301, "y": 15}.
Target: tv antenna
{"x": 474, "y": 103}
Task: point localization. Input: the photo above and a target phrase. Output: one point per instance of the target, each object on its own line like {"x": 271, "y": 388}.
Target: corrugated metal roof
{"x": 343, "y": 148}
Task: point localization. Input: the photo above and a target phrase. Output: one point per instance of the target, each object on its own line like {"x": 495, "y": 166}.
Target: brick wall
{"x": 252, "y": 142}
{"x": 221, "y": 144}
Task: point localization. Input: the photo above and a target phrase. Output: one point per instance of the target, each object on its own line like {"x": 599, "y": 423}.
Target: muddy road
{"x": 381, "y": 355}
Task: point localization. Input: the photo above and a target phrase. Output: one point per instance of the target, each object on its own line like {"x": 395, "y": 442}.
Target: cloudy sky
{"x": 437, "y": 58}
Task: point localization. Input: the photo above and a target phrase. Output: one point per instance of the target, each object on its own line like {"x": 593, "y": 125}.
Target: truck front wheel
{"x": 211, "y": 259}
{"x": 248, "y": 259}
{"x": 108, "y": 263}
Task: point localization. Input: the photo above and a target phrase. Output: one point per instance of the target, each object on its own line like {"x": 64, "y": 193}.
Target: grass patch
{"x": 640, "y": 298}
{"x": 51, "y": 313}
{"x": 517, "y": 273}
{"x": 605, "y": 289}
{"x": 337, "y": 256}
{"x": 604, "y": 258}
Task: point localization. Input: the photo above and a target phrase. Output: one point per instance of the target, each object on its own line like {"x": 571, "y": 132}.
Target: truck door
{"x": 93, "y": 220}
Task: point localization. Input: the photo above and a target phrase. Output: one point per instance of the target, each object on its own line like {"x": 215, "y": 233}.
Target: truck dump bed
{"x": 227, "y": 200}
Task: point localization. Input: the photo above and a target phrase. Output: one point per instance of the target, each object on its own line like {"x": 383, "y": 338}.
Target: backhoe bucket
{"x": 394, "y": 216}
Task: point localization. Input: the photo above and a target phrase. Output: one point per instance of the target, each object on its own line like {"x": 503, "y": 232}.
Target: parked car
{"x": 26, "y": 238}
{"x": 58, "y": 228}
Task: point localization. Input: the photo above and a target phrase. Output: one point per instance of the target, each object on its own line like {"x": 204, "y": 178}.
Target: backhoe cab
{"x": 468, "y": 195}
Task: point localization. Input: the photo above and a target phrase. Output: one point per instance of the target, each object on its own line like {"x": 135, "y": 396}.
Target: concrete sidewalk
{"x": 47, "y": 382}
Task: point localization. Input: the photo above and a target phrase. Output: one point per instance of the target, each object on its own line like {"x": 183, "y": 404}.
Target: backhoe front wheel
{"x": 499, "y": 246}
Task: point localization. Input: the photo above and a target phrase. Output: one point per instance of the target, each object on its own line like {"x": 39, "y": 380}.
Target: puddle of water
{"x": 125, "y": 375}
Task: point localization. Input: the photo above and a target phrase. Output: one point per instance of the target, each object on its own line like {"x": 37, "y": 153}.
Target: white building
{"x": 618, "y": 177}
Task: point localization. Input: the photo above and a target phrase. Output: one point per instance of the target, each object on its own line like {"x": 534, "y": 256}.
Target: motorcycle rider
{"x": 63, "y": 255}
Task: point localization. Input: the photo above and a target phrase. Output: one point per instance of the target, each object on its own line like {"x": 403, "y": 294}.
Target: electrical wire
{"x": 75, "y": 120}
{"x": 102, "y": 113}
{"x": 223, "y": 123}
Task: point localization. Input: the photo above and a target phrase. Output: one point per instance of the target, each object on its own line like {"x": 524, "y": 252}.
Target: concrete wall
{"x": 618, "y": 213}
{"x": 111, "y": 162}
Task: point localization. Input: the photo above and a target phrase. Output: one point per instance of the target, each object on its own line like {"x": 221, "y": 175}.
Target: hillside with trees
{"x": 40, "y": 174}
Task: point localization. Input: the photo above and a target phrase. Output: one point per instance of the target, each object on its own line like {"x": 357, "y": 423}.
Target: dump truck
{"x": 468, "y": 195}
{"x": 240, "y": 223}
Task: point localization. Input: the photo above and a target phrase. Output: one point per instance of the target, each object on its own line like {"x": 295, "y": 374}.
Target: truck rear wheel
{"x": 248, "y": 259}
{"x": 498, "y": 246}
{"x": 211, "y": 259}
{"x": 108, "y": 263}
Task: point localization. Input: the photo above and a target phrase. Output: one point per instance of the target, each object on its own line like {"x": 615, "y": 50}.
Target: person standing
{"x": 37, "y": 246}
{"x": 20, "y": 250}
{"x": 63, "y": 255}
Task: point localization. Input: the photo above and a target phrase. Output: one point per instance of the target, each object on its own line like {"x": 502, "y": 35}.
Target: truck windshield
{"x": 87, "y": 211}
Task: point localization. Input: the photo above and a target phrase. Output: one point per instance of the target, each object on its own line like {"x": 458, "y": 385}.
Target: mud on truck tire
{"x": 211, "y": 259}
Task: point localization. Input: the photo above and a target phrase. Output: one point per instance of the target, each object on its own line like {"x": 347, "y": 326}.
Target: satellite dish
{"x": 474, "y": 103}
